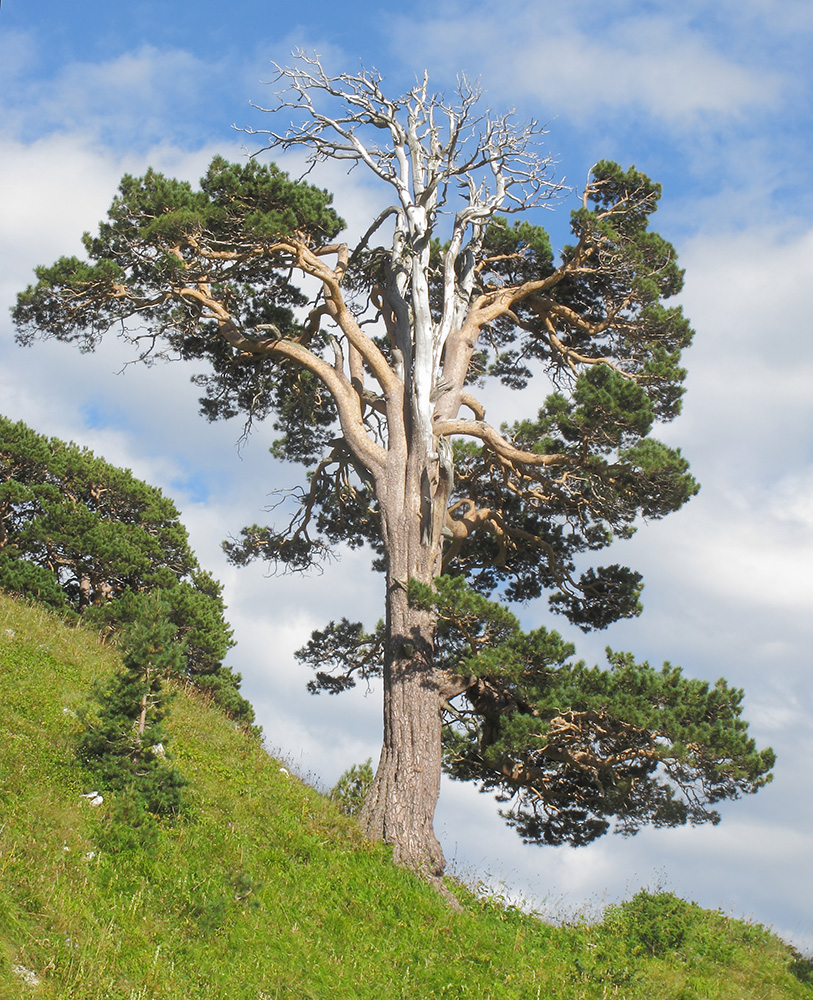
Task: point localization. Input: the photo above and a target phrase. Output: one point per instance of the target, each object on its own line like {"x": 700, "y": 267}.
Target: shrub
{"x": 656, "y": 924}
{"x": 124, "y": 739}
{"x": 351, "y": 789}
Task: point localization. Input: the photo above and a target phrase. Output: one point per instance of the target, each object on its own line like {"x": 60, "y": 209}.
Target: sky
{"x": 711, "y": 99}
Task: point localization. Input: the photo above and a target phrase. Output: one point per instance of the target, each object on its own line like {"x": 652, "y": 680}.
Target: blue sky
{"x": 711, "y": 99}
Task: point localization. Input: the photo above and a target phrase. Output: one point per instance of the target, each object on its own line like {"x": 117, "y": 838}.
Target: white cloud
{"x": 748, "y": 406}
{"x": 792, "y": 501}
{"x": 135, "y": 100}
{"x": 584, "y": 66}
{"x": 737, "y": 553}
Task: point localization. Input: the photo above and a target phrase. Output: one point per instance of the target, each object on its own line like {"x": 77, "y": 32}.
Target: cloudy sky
{"x": 711, "y": 99}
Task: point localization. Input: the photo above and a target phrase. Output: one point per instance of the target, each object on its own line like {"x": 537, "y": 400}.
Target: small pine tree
{"x": 123, "y": 739}
{"x": 351, "y": 789}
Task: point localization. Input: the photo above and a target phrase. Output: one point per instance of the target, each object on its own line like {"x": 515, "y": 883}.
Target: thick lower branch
{"x": 504, "y": 449}
{"x": 348, "y": 401}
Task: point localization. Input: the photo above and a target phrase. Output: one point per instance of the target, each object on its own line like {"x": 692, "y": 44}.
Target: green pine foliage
{"x": 615, "y": 362}
{"x": 124, "y": 739}
{"x": 263, "y": 890}
{"x": 351, "y": 789}
{"x": 91, "y": 541}
{"x": 246, "y": 207}
{"x": 372, "y": 383}
{"x": 96, "y": 528}
{"x": 572, "y": 751}
{"x": 577, "y": 751}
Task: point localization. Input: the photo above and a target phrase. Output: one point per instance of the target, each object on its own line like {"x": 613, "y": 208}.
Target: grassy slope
{"x": 266, "y": 891}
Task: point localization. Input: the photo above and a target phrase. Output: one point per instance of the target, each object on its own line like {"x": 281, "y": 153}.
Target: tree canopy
{"x": 90, "y": 539}
{"x": 378, "y": 384}
{"x": 574, "y": 751}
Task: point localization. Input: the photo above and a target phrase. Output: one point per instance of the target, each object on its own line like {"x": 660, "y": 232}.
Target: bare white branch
{"x": 440, "y": 156}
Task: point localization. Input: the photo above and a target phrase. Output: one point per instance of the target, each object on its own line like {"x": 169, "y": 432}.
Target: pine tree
{"x": 124, "y": 741}
{"x": 90, "y": 540}
{"x": 374, "y": 385}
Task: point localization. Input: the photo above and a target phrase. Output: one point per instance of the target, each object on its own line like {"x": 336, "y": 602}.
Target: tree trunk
{"x": 85, "y": 592}
{"x": 142, "y": 716}
{"x": 400, "y": 806}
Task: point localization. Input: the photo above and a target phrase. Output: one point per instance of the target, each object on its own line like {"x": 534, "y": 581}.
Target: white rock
{"x": 26, "y": 975}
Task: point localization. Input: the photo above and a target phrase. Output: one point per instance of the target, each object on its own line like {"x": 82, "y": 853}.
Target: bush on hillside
{"x": 124, "y": 741}
{"x": 351, "y": 789}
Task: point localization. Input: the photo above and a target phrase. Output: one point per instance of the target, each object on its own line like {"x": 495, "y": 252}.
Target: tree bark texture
{"x": 401, "y": 804}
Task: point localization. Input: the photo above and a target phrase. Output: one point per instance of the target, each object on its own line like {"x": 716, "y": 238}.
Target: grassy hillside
{"x": 265, "y": 891}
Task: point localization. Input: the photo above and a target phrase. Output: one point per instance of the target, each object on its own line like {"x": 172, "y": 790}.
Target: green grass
{"x": 265, "y": 891}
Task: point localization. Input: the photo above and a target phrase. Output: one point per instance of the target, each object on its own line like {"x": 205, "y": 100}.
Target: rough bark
{"x": 401, "y": 804}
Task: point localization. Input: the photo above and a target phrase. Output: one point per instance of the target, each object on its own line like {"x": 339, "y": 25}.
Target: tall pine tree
{"x": 374, "y": 385}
